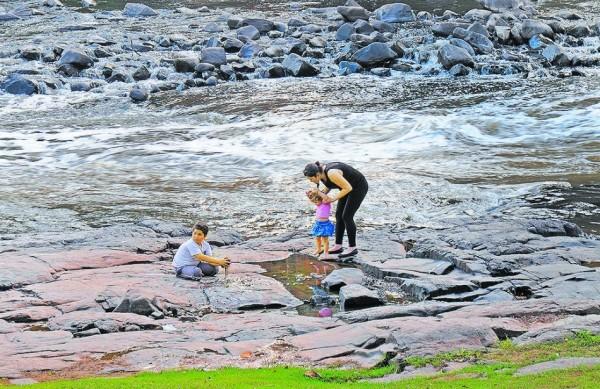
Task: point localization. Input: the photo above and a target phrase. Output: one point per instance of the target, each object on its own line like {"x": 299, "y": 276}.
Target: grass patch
{"x": 441, "y": 359}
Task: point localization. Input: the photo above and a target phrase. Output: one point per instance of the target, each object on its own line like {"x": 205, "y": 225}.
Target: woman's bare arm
{"x": 336, "y": 176}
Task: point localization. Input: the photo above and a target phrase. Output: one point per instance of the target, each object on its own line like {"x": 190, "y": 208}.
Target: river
{"x": 431, "y": 148}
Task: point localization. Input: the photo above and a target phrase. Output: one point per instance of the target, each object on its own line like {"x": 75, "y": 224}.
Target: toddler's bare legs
{"x": 318, "y": 249}
{"x": 325, "y": 241}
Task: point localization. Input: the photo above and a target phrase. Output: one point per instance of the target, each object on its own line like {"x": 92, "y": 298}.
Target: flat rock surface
{"x": 56, "y": 309}
{"x": 562, "y": 363}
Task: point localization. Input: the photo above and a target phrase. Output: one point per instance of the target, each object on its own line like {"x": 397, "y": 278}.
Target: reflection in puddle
{"x": 302, "y": 275}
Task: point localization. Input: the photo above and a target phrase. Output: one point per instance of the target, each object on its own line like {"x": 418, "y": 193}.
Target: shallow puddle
{"x": 302, "y": 275}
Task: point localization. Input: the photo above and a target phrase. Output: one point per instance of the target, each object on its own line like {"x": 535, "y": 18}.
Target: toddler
{"x": 323, "y": 227}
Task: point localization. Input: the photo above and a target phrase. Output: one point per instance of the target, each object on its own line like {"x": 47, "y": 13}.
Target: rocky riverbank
{"x": 106, "y": 301}
{"x": 148, "y": 50}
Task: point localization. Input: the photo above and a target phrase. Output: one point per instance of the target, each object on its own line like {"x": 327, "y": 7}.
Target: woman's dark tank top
{"x": 353, "y": 176}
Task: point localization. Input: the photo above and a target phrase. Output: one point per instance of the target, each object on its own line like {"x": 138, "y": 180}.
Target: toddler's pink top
{"x": 323, "y": 211}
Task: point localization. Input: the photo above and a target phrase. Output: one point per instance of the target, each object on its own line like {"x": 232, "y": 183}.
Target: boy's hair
{"x": 202, "y": 227}
{"x": 314, "y": 197}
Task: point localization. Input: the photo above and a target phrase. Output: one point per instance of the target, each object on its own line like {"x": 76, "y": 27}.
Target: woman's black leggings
{"x": 344, "y": 213}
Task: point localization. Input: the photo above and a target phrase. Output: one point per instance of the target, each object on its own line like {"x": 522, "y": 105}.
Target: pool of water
{"x": 302, "y": 276}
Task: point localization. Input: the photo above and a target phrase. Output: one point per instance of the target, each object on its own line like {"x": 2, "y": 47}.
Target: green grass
{"x": 491, "y": 369}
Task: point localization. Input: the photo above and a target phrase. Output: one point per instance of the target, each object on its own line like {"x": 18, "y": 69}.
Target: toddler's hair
{"x": 202, "y": 227}
{"x": 314, "y": 197}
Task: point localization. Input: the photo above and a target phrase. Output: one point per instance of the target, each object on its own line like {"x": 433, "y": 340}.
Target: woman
{"x": 353, "y": 187}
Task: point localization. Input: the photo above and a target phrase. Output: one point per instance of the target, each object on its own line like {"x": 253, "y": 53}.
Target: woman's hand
{"x": 329, "y": 199}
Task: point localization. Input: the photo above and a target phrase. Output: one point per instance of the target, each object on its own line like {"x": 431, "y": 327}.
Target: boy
{"x": 194, "y": 258}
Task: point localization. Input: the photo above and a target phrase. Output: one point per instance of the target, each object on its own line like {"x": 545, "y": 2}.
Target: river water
{"x": 431, "y": 148}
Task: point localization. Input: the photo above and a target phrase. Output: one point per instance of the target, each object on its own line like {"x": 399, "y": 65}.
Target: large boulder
{"x": 479, "y": 42}
{"x": 262, "y": 25}
{"x": 138, "y": 94}
{"x": 248, "y": 33}
{"x": 446, "y": 28}
{"x": 450, "y": 55}
{"x": 374, "y": 54}
{"x": 138, "y": 10}
{"x": 352, "y": 14}
{"x": 16, "y": 84}
{"x": 556, "y": 56}
{"x": 340, "y": 277}
{"x": 501, "y": 5}
{"x": 395, "y": 13}
{"x": 77, "y": 58}
{"x": 214, "y": 56}
{"x": 529, "y": 28}
{"x": 298, "y": 66}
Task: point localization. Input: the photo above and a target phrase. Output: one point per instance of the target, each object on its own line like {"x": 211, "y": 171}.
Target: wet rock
{"x": 84, "y": 85}
{"x": 395, "y": 13}
{"x": 503, "y": 34}
{"x": 100, "y": 52}
{"x": 340, "y": 277}
{"x": 530, "y": 28}
{"x": 347, "y": 67}
{"x": 234, "y": 22}
{"x": 363, "y": 27}
{"x": 275, "y": 71}
{"x": 356, "y": 296}
{"x": 352, "y": 14}
{"x": 232, "y": 45}
{"x": 250, "y": 50}
{"x": 212, "y": 28}
{"x": 461, "y": 43}
{"x": 424, "y": 16}
{"x": 52, "y": 3}
{"x": 186, "y": 65}
{"x": 262, "y": 25}
{"x": 248, "y": 33}
{"x": 450, "y": 55}
{"x": 298, "y": 67}
{"x": 480, "y": 15}
{"x": 344, "y": 32}
{"x": 539, "y": 41}
{"x": 138, "y": 10}
{"x": 556, "y": 56}
{"x": 554, "y": 228}
{"x": 432, "y": 286}
{"x": 7, "y": 16}
{"x": 479, "y": 42}
{"x": 459, "y": 70}
{"x": 141, "y": 73}
{"x": 446, "y": 28}
{"x": 478, "y": 28}
{"x": 117, "y": 77}
{"x": 579, "y": 31}
{"x": 16, "y": 84}
{"x": 138, "y": 94}
{"x": 214, "y": 56}
{"x": 380, "y": 26}
{"x": 318, "y": 42}
{"x": 68, "y": 70}
{"x": 374, "y": 54}
{"x": 77, "y": 58}
{"x": 31, "y": 53}
{"x": 501, "y": 5}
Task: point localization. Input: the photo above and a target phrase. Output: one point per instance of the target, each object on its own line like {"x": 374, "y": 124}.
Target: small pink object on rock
{"x": 325, "y": 312}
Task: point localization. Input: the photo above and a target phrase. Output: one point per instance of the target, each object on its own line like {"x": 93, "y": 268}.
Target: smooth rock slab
{"x": 340, "y": 277}
{"x": 432, "y": 286}
{"x": 246, "y": 292}
{"x": 422, "y": 309}
{"x": 561, "y": 329}
{"x": 562, "y": 363}
{"x": 398, "y": 267}
{"x": 19, "y": 269}
{"x": 357, "y": 296}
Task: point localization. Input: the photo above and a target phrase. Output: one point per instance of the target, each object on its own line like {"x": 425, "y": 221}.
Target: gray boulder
{"x": 556, "y": 56}
{"x": 232, "y": 45}
{"x": 450, "y": 55}
{"x": 234, "y": 22}
{"x": 357, "y": 296}
{"x": 461, "y": 43}
{"x": 352, "y": 14}
{"x": 275, "y": 71}
{"x": 530, "y": 28}
{"x": 374, "y": 54}
{"x": 479, "y": 42}
{"x": 16, "y": 84}
{"x": 185, "y": 65}
{"x": 142, "y": 73}
{"x": 248, "y": 33}
{"x": 459, "y": 70}
{"x": 446, "y": 28}
{"x": 262, "y": 25}
{"x": 138, "y": 10}
{"x": 214, "y": 56}
{"x": 298, "y": 66}
{"x": 395, "y": 13}
{"x": 77, "y": 58}
{"x": 501, "y": 5}
{"x": 479, "y": 28}
{"x": 478, "y": 15}
{"x": 5, "y": 17}
{"x": 579, "y": 31}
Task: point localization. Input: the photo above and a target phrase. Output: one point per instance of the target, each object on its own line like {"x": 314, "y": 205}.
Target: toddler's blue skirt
{"x": 323, "y": 228}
